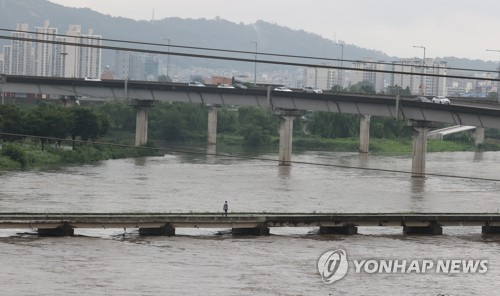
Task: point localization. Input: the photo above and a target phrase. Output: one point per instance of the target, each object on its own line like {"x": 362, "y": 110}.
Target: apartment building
{"x": 323, "y": 78}
{"x": 136, "y": 66}
{"x": 368, "y": 73}
{"x": 416, "y": 75}
{"x": 41, "y": 52}
{"x": 19, "y": 56}
{"x": 44, "y": 50}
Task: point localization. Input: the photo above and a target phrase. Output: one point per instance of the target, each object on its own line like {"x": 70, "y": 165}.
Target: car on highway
{"x": 239, "y": 85}
{"x": 91, "y": 79}
{"x": 441, "y": 100}
{"x": 423, "y": 99}
{"x": 312, "y": 90}
{"x": 224, "y": 85}
{"x": 196, "y": 83}
{"x": 282, "y": 88}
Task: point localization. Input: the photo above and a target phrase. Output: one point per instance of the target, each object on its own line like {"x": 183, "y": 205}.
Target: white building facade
{"x": 418, "y": 76}
{"x": 43, "y": 53}
{"x": 370, "y": 74}
{"x": 323, "y": 78}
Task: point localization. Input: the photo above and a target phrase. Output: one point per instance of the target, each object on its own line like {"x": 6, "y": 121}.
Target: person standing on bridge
{"x": 225, "y": 207}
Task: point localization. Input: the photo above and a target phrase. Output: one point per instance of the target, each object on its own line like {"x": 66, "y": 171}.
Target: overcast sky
{"x": 461, "y": 28}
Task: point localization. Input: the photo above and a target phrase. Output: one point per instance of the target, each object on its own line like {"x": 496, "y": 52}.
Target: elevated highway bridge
{"x": 287, "y": 105}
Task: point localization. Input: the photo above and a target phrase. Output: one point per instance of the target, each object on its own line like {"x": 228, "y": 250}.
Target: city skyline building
{"x": 47, "y": 56}
{"x": 44, "y": 50}
{"x": 373, "y": 77}
{"x": 136, "y": 66}
{"x": 19, "y": 56}
{"x": 323, "y": 78}
{"x": 428, "y": 85}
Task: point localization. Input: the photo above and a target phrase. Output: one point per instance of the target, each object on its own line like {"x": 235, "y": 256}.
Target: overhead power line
{"x": 252, "y": 60}
{"x": 247, "y": 157}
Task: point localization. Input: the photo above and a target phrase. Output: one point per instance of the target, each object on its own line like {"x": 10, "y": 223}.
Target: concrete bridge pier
{"x": 286, "y": 134}
{"x": 364, "y": 133}
{"x": 479, "y": 135}
{"x": 212, "y": 125}
{"x": 166, "y": 230}
{"x": 490, "y": 229}
{"x": 432, "y": 229}
{"x": 61, "y": 231}
{"x": 420, "y": 130}
{"x": 141, "y": 120}
{"x": 254, "y": 231}
{"x": 346, "y": 229}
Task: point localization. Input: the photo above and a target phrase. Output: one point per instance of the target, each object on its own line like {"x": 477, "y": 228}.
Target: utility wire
{"x": 253, "y": 60}
{"x": 245, "y": 157}
{"x": 240, "y": 51}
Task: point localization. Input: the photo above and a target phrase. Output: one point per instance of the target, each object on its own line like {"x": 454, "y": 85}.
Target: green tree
{"x": 385, "y": 127}
{"x": 85, "y": 124}
{"x": 48, "y": 121}
{"x": 396, "y": 89}
{"x": 119, "y": 114}
{"x": 12, "y": 121}
{"x": 256, "y": 125}
{"x": 178, "y": 121}
{"x": 337, "y": 88}
{"x": 333, "y": 125}
{"x": 363, "y": 87}
{"x": 227, "y": 120}
{"x": 15, "y": 152}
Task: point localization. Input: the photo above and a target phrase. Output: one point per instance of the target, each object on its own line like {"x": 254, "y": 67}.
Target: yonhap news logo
{"x": 333, "y": 266}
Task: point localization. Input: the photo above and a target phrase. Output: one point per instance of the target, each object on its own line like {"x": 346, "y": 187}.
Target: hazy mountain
{"x": 218, "y": 33}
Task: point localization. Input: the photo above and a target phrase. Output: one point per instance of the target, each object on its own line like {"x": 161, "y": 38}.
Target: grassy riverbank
{"x": 376, "y": 145}
{"x": 28, "y": 155}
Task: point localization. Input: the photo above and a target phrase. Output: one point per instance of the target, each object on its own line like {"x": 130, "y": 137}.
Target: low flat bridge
{"x": 63, "y": 224}
{"x": 440, "y": 133}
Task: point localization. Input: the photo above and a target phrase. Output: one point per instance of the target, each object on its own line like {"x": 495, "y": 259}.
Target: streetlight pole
{"x": 341, "y": 63}
{"x": 255, "y": 65}
{"x": 168, "y": 59}
{"x": 498, "y": 77}
{"x": 422, "y": 83}
{"x": 168, "y": 56}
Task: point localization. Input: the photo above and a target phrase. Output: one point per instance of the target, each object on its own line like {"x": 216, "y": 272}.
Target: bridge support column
{"x": 364, "y": 133}
{"x": 420, "y": 129}
{"x": 63, "y": 230}
{"x": 342, "y": 229}
{"x": 433, "y": 229}
{"x": 490, "y": 229}
{"x": 141, "y": 120}
{"x": 286, "y": 134}
{"x": 212, "y": 125}
{"x": 166, "y": 230}
{"x": 259, "y": 230}
{"x": 479, "y": 135}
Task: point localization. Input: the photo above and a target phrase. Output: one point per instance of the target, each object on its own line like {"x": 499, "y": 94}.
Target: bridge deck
{"x": 242, "y": 220}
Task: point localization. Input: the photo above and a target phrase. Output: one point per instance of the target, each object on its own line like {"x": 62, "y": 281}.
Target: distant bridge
{"x": 360, "y": 104}
{"x": 287, "y": 105}
{"x": 440, "y": 133}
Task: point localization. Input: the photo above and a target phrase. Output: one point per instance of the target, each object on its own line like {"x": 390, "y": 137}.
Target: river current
{"x": 212, "y": 262}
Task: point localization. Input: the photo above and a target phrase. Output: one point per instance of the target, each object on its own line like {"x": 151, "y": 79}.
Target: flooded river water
{"x": 212, "y": 262}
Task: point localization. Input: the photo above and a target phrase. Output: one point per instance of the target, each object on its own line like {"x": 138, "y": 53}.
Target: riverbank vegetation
{"x": 48, "y": 134}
